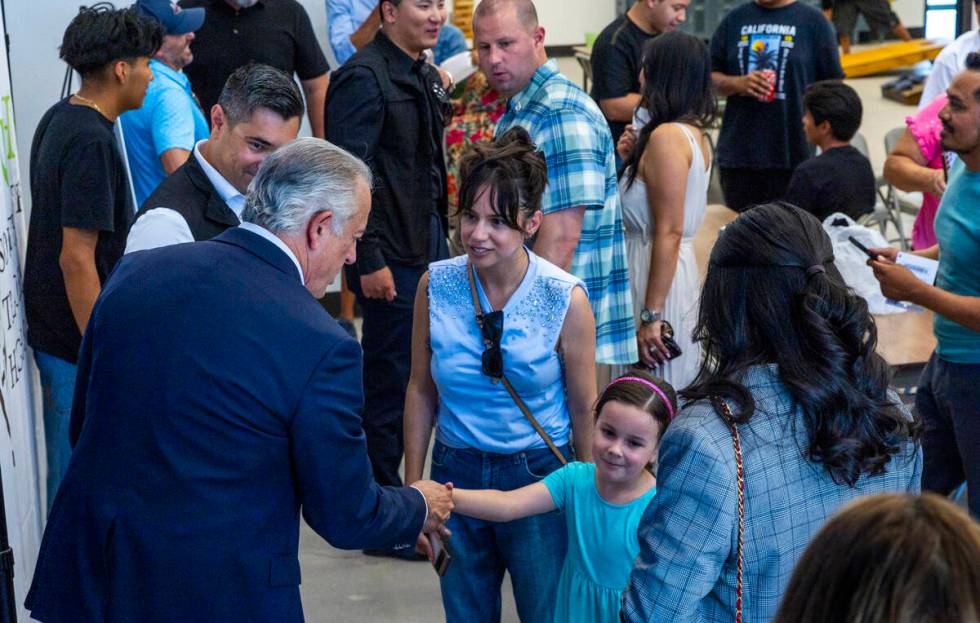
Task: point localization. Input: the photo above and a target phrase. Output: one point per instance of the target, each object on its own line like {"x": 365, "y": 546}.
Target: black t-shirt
{"x": 797, "y": 43}
{"x": 838, "y": 180}
{"x": 273, "y": 32}
{"x": 617, "y": 57}
{"x": 77, "y": 180}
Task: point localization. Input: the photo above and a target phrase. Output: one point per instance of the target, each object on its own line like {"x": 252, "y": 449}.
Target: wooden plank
{"x": 887, "y": 57}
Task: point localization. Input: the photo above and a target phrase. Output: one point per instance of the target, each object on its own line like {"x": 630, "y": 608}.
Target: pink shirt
{"x": 925, "y": 128}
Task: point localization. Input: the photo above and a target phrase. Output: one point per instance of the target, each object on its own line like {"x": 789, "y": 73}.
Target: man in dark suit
{"x": 216, "y": 399}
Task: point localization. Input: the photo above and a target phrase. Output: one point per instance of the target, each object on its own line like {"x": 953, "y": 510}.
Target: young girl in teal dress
{"x": 602, "y": 501}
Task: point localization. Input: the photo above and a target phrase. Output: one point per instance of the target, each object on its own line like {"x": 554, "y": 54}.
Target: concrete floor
{"x": 350, "y": 587}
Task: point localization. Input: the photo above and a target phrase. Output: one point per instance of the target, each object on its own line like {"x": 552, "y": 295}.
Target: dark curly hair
{"x": 511, "y": 169}
{"x": 773, "y": 295}
{"x": 676, "y": 87}
{"x": 101, "y": 35}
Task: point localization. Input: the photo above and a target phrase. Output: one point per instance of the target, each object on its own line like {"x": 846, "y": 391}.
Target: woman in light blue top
{"x": 602, "y": 502}
{"x": 539, "y": 332}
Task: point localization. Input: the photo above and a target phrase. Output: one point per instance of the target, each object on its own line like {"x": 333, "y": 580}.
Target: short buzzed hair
{"x": 526, "y": 13}
{"x": 254, "y": 86}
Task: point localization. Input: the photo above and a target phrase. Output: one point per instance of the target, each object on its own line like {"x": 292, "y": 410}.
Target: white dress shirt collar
{"x": 274, "y": 239}
{"x": 228, "y": 193}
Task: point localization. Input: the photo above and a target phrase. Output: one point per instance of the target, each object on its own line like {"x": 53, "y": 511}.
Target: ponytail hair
{"x": 511, "y": 169}
{"x": 773, "y": 296}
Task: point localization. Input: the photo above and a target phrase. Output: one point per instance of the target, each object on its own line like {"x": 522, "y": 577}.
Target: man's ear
{"x": 317, "y": 229}
{"x": 824, "y": 127}
{"x": 538, "y": 36}
{"x": 389, "y": 12}
{"x": 120, "y": 71}
{"x": 217, "y": 117}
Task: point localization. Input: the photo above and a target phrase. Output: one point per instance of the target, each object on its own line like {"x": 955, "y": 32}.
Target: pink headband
{"x": 646, "y": 383}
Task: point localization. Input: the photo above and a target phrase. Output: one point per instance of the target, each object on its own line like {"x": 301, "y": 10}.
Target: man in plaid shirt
{"x": 582, "y": 230}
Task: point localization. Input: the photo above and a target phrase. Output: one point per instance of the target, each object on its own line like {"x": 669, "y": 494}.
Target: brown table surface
{"x": 903, "y": 339}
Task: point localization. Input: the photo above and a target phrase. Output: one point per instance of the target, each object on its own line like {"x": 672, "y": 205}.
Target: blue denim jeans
{"x": 532, "y": 550}
{"x": 58, "y": 391}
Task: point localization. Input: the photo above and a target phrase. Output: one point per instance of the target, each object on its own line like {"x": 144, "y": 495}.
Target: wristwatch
{"x": 649, "y": 315}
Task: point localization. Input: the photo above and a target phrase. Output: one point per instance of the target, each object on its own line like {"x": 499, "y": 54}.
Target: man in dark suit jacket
{"x": 216, "y": 399}
{"x": 258, "y": 111}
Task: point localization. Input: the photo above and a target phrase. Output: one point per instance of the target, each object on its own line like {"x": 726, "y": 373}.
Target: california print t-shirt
{"x": 794, "y": 46}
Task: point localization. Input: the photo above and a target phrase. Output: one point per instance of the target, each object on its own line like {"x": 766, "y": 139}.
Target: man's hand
{"x": 439, "y": 500}
{"x": 379, "y": 285}
{"x": 754, "y": 84}
{"x": 626, "y": 143}
{"x": 938, "y": 186}
{"x": 888, "y": 254}
{"x": 897, "y": 282}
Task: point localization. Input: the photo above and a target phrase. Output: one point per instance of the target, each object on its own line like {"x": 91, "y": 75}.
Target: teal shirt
{"x": 602, "y": 544}
{"x": 958, "y": 233}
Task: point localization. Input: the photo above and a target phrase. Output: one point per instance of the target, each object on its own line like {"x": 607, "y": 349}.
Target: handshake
{"x": 439, "y": 501}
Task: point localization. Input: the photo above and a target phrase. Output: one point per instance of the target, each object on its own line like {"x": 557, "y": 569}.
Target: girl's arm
{"x": 663, "y": 167}
{"x": 578, "y": 355}
{"x": 421, "y": 398}
{"x": 493, "y": 505}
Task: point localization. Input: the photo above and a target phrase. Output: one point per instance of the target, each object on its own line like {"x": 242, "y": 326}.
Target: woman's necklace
{"x": 90, "y": 104}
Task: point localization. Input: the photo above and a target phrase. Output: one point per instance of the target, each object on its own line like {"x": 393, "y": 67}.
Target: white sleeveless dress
{"x": 681, "y": 306}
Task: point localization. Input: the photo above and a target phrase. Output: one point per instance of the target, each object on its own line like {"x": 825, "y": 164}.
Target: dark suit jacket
{"x": 215, "y": 399}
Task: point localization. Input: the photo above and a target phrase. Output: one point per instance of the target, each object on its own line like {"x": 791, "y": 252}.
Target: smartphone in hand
{"x": 863, "y": 248}
{"x": 442, "y": 555}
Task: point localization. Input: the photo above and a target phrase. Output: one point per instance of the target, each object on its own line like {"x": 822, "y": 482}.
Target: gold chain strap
{"x": 726, "y": 412}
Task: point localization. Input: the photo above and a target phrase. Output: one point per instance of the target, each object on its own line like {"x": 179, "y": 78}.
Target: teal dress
{"x": 602, "y": 544}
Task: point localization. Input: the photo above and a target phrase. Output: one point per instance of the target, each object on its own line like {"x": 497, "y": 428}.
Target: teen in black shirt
{"x": 617, "y": 56}
{"x": 81, "y": 203}
{"x": 840, "y": 179}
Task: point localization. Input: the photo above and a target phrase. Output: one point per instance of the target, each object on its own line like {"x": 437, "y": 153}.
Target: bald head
{"x": 525, "y": 10}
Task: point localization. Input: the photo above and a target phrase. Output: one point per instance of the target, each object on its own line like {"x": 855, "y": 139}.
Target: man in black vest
{"x": 387, "y": 106}
{"x": 259, "y": 110}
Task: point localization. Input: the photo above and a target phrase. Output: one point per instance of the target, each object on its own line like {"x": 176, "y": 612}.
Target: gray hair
{"x": 301, "y": 178}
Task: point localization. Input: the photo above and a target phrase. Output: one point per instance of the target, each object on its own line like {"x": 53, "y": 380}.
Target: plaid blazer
{"x": 685, "y": 572}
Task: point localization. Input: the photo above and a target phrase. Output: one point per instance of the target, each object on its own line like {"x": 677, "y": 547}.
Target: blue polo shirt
{"x": 170, "y": 118}
{"x": 958, "y": 233}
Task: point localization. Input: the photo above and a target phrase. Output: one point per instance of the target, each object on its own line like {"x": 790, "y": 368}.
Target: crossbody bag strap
{"x": 503, "y": 378}
{"x": 726, "y": 414}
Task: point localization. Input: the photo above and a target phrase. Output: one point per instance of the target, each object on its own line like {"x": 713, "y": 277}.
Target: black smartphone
{"x": 866, "y": 250}
{"x": 442, "y": 554}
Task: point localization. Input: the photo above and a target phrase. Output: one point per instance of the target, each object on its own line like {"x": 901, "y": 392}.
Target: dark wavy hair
{"x": 511, "y": 169}
{"x": 895, "y": 557}
{"x": 101, "y": 35}
{"x": 676, "y": 87}
{"x": 773, "y": 295}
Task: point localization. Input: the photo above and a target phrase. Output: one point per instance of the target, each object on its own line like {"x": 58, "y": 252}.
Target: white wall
{"x": 910, "y": 11}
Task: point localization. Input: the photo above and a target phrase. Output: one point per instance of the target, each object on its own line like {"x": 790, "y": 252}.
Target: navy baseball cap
{"x": 176, "y": 21}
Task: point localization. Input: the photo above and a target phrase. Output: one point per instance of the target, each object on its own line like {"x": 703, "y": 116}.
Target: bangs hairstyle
{"x": 764, "y": 301}
{"x": 511, "y": 169}
{"x": 640, "y": 396}
{"x": 102, "y": 35}
{"x": 677, "y": 87}
{"x": 894, "y": 557}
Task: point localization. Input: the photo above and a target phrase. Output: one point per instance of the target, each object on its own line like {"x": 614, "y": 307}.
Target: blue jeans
{"x": 58, "y": 391}
{"x": 532, "y": 550}
{"x": 947, "y": 401}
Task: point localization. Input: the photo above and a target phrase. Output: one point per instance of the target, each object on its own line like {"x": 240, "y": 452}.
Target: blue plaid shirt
{"x": 567, "y": 125}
